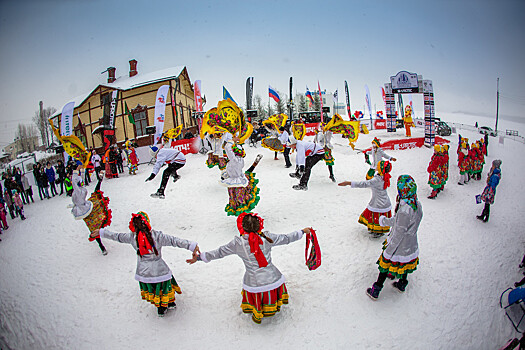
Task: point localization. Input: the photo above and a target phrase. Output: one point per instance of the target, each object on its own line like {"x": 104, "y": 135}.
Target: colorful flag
{"x": 160, "y": 111}
{"x": 197, "y": 95}
{"x": 309, "y": 96}
{"x": 66, "y": 120}
{"x": 130, "y": 116}
{"x": 273, "y": 94}
{"x": 226, "y": 95}
{"x": 321, "y": 100}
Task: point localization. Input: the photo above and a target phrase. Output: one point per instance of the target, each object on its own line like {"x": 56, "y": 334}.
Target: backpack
{"x": 314, "y": 260}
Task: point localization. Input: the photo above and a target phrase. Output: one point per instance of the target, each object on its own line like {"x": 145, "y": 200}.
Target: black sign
{"x": 150, "y": 130}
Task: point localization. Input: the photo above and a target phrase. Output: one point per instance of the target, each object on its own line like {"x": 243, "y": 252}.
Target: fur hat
{"x": 496, "y": 163}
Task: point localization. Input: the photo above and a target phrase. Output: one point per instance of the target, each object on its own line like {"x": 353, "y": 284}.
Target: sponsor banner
{"x": 368, "y": 101}
{"x": 419, "y": 123}
{"x": 160, "y": 111}
{"x": 187, "y": 145}
{"x": 66, "y": 120}
{"x": 414, "y": 142}
{"x": 348, "y": 101}
{"x": 404, "y": 82}
{"x": 380, "y": 124}
{"x": 310, "y": 128}
{"x": 112, "y": 109}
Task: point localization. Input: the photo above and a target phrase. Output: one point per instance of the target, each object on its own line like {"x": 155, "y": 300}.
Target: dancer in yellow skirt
{"x": 157, "y": 284}
{"x": 401, "y": 252}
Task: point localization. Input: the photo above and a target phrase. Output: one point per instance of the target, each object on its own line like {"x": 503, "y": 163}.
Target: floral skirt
{"x": 328, "y": 158}
{"x": 371, "y": 220}
{"x": 272, "y": 143}
{"x": 488, "y": 195}
{"x": 100, "y": 215}
{"x": 160, "y": 294}
{"x": 434, "y": 180}
{"x": 243, "y": 199}
{"x": 264, "y": 304}
{"x": 214, "y": 160}
{"x": 395, "y": 268}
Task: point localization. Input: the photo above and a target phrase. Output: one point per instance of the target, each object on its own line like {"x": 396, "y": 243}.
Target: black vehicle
{"x": 486, "y": 131}
{"x": 442, "y": 129}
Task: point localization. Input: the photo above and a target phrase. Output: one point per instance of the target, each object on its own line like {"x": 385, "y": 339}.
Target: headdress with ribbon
{"x": 383, "y": 169}
{"x": 407, "y": 190}
{"x": 254, "y": 239}
{"x": 377, "y": 142}
{"x": 144, "y": 245}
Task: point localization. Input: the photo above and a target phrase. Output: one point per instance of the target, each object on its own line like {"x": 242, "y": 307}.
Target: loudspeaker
{"x": 150, "y": 130}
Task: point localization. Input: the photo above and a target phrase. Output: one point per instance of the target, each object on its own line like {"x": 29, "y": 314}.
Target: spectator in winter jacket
{"x": 3, "y": 214}
{"x": 17, "y": 175}
{"x": 61, "y": 172}
{"x": 50, "y": 173}
{"x": 9, "y": 203}
{"x": 27, "y": 188}
{"x": 18, "y": 204}
{"x": 38, "y": 180}
{"x": 97, "y": 163}
{"x": 489, "y": 192}
{"x": 43, "y": 180}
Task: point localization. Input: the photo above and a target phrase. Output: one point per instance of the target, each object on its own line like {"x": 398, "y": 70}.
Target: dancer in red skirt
{"x": 380, "y": 204}
{"x": 264, "y": 291}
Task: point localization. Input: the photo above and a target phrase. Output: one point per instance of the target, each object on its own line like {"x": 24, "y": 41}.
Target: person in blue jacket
{"x": 493, "y": 178}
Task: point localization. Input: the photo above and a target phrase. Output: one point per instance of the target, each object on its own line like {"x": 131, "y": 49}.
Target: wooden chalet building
{"x": 138, "y": 92}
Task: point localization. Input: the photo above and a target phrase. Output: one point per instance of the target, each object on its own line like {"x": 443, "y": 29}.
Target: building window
{"x": 140, "y": 115}
{"x": 81, "y": 137}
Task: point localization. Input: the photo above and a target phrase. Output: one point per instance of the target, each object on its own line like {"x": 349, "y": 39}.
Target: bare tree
{"x": 261, "y": 111}
{"x": 26, "y": 135}
{"x": 40, "y": 120}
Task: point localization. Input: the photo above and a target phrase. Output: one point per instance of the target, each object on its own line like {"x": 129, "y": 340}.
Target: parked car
{"x": 442, "y": 129}
{"x": 487, "y": 131}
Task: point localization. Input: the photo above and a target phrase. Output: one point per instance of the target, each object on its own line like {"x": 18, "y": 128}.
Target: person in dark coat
{"x": 61, "y": 172}
{"x": 50, "y": 174}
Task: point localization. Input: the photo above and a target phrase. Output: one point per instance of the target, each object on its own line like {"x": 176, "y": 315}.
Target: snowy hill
{"x": 57, "y": 291}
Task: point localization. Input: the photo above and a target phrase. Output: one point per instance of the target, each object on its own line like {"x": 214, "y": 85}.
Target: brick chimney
{"x": 111, "y": 74}
{"x": 132, "y": 68}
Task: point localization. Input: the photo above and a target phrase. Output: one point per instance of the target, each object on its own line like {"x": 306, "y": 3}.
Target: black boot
{"x": 373, "y": 292}
{"x": 161, "y": 311}
{"x": 400, "y": 285}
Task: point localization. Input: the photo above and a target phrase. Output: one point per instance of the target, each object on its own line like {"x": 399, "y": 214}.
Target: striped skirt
{"x": 397, "y": 269}
{"x": 371, "y": 220}
{"x": 160, "y": 294}
{"x": 264, "y": 304}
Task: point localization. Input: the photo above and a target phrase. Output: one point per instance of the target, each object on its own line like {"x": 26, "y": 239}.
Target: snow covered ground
{"x": 58, "y": 292}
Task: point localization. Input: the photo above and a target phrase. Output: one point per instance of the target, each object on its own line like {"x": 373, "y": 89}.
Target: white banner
{"x": 368, "y": 101}
{"x": 66, "y": 120}
{"x": 160, "y": 111}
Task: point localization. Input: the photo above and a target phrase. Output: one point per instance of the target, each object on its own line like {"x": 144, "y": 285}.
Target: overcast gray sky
{"x": 55, "y": 50}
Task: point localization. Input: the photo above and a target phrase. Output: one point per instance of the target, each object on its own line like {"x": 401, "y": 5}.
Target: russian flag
{"x": 309, "y": 96}
{"x": 273, "y": 94}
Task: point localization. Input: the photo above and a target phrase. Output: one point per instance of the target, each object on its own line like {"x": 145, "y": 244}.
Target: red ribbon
{"x": 144, "y": 246}
{"x": 253, "y": 239}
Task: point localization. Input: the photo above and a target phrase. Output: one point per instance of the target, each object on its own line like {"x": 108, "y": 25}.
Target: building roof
{"x": 127, "y": 83}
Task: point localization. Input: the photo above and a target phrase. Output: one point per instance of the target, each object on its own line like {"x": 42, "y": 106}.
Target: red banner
{"x": 187, "y": 145}
{"x": 310, "y": 128}
{"x": 380, "y": 124}
{"x": 413, "y": 142}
